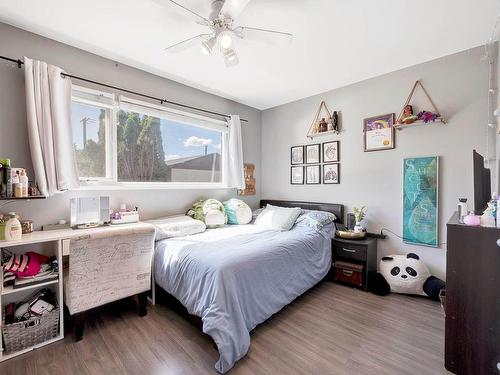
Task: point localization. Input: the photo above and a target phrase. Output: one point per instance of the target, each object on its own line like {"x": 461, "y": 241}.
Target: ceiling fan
{"x": 222, "y": 33}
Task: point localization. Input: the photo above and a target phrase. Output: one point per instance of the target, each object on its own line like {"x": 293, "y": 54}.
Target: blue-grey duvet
{"x": 236, "y": 277}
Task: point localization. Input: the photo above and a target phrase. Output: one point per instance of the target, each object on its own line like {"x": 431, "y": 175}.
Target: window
{"x": 145, "y": 143}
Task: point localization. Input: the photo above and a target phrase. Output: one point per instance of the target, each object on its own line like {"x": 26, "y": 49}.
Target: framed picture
{"x": 313, "y": 154}
{"x": 313, "y": 174}
{"x": 378, "y": 132}
{"x": 297, "y": 155}
{"x": 420, "y": 201}
{"x": 331, "y": 152}
{"x": 331, "y": 173}
{"x": 297, "y": 175}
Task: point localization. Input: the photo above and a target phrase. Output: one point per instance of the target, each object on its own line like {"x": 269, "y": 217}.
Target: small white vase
{"x": 359, "y": 227}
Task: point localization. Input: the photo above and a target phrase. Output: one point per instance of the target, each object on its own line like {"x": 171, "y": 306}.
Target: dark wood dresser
{"x": 472, "y": 340}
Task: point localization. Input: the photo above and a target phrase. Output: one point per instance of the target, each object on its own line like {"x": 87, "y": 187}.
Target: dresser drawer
{"x": 351, "y": 251}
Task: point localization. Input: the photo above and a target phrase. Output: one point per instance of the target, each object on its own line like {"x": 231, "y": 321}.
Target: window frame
{"x": 113, "y": 104}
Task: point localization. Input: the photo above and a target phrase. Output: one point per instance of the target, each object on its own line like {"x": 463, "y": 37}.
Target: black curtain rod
{"x": 20, "y": 63}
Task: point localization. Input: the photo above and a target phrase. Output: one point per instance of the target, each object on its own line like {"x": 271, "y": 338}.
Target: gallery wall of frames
{"x": 314, "y": 164}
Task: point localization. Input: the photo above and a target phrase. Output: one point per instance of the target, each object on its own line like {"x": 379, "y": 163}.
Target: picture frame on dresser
{"x": 297, "y": 175}
{"x": 297, "y": 155}
{"x": 313, "y": 174}
{"x": 313, "y": 153}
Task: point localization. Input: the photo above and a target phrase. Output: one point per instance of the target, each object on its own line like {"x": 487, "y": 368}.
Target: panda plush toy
{"x": 406, "y": 274}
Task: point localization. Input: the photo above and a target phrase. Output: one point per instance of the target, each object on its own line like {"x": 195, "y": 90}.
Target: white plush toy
{"x": 237, "y": 211}
{"x": 405, "y": 274}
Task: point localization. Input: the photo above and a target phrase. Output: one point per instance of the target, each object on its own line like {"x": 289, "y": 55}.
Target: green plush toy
{"x": 210, "y": 211}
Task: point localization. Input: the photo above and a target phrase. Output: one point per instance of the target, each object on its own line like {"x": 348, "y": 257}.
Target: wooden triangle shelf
{"x": 401, "y": 125}
{"x": 331, "y": 122}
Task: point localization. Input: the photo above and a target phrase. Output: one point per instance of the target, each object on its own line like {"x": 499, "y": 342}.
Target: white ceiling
{"x": 336, "y": 42}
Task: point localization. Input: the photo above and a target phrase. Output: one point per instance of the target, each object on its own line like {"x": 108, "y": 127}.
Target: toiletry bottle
{"x": 462, "y": 209}
{"x": 498, "y": 214}
{"x": 13, "y": 229}
{"x": 14, "y": 176}
{"x": 18, "y": 190}
{"x": 7, "y": 177}
{"x": 494, "y": 204}
{"x": 3, "y": 187}
{"x": 2, "y": 228}
{"x": 23, "y": 180}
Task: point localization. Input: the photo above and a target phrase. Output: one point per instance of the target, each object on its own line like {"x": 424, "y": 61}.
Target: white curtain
{"x": 48, "y": 106}
{"x": 234, "y": 169}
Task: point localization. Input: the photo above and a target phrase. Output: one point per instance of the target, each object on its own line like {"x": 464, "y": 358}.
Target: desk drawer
{"x": 351, "y": 251}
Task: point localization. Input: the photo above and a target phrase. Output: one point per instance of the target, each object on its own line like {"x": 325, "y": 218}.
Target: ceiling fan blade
{"x": 233, "y": 8}
{"x": 263, "y": 35}
{"x": 186, "y": 44}
{"x": 191, "y": 14}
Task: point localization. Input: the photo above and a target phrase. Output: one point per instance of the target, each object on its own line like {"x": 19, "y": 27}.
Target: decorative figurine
{"x": 323, "y": 126}
{"x": 488, "y": 218}
{"x": 408, "y": 116}
{"x": 330, "y": 123}
{"x": 249, "y": 180}
{"x": 335, "y": 121}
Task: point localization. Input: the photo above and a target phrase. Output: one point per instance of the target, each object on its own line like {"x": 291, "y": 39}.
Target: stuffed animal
{"x": 210, "y": 211}
{"x": 237, "y": 211}
{"x": 406, "y": 274}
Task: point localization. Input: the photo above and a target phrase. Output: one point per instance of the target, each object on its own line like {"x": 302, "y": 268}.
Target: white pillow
{"x": 279, "y": 218}
{"x": 176, "y": 226}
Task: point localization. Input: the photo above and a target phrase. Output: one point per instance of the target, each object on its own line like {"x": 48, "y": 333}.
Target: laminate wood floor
{"x": 332, "y": 329}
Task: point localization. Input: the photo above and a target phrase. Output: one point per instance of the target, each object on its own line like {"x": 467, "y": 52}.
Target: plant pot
{"x": 359, "y": 227}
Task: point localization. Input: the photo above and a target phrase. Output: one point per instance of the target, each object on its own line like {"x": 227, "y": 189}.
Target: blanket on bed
{"x": 236, "y": 277}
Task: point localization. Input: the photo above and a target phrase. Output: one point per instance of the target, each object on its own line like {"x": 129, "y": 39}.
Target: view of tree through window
{"x": 148, "y": 148}
{"x": 154, "y": 149}
{"x": 89, "y": 138}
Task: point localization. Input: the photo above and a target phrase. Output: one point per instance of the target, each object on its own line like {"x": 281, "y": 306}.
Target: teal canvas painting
{"x": 420, "y": 200}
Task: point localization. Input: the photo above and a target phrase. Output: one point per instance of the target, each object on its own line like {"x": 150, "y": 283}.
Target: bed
{"x": 236, "y": 277}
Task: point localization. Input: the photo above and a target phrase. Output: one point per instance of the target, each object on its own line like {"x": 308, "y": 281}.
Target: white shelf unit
{"x": 47, "y": 245}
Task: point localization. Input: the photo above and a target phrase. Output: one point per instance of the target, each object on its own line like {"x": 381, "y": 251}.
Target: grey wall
{"x": 13, "y": 135}
{"x": 459, "y": 86}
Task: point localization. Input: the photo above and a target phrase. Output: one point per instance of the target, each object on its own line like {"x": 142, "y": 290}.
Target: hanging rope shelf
{"x": 408, "y": 119}
{"x": 327, "y": 124}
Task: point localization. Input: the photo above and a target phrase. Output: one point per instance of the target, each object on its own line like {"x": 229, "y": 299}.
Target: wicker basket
{"x": 22, "y": 335}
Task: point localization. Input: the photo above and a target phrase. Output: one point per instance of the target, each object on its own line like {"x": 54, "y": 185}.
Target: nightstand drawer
{"x": 350, "y": 251}
{"x": 349, "y": 273}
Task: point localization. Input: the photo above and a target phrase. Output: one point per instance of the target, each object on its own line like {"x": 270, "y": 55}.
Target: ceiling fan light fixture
{"x": 225, "y": 39}
{"x": 230, "y": 57}
{"x": 207, "y": 46}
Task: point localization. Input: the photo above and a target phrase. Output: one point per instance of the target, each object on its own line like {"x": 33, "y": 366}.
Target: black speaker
{"x": 351, "y": 221}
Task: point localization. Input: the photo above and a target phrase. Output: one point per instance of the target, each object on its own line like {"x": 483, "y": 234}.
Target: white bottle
{"x": 13, "y": 230}
{"x": 498, "y": 213}
{"x": 23, "y": 180}
{"x": 15, "y": 178}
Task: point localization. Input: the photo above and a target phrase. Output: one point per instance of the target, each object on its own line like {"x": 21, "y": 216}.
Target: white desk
{"x": 56, "y": 242}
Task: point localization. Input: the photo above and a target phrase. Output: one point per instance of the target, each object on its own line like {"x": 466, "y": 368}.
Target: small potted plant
{"x": 359, "y": 215}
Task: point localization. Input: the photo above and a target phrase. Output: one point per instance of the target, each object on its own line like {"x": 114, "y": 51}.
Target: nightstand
{"x": 356, "y": 258}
